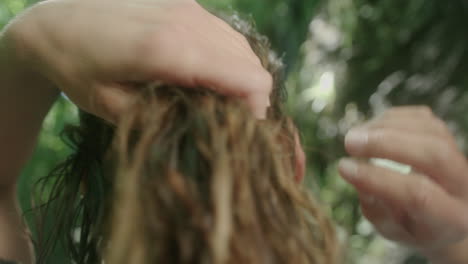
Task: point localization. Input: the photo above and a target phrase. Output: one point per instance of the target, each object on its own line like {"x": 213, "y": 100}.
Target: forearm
{"x": 25, "y": 99}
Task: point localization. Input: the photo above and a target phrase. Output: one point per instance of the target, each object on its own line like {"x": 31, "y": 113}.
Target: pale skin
{"x": 94, "y": 51}
{"x": 426, "y": 209}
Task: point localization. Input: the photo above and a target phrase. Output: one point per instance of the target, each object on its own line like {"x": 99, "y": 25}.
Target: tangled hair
{"x": 188, "y": 176}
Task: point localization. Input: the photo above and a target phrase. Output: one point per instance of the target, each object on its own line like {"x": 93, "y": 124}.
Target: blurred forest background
{"x": 347, "y": 60}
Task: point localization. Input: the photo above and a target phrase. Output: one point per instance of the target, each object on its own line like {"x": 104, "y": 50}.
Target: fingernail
{"x": 348, "y": 168}
{"x": 356, "y": 139}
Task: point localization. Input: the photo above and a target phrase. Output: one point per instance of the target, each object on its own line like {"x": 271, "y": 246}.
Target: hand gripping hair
{"x": 188, "y": 176}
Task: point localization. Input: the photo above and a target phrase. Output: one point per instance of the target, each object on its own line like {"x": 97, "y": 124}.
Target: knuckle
{"x": 421, "y": 194}
{"x": 379, "y": 121}
{"x": 145, "y": 46}
{"x": 378, "y": 136}
{"x": 151, "y": 45}
{"x": 442, "y": 153}
{"x": 162, "y": 48}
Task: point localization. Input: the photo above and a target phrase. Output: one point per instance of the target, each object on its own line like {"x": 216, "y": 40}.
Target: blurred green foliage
{"x": 285, "y": 22}
{"x": 347, "y": 60}
{"x": 50, "y": 151}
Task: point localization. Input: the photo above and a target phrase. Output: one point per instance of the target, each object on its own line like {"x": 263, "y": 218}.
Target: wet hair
{"x": 187, "y": 176}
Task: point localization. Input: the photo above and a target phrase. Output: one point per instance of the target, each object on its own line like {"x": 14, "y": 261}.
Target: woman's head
{"x": 190, "y": 176}
{"x": 200, "y": 180}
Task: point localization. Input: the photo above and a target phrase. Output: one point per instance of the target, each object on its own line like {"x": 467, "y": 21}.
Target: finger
{"x": 415, "y": 111}
{"x": 233, "y": 38}
{"x": 382, "y": 217}
{"x": 236, "y": 77}
{"x": 239, "y": 78}
{"x": 219, "y": 34}
{"x": 211, "y": 66}
{"x": 419, "y": 118}
{"x": 423, "y": 201}
{"x": 373, "y": 208}
{"x": 112, "y": 100}
{"x": 429, "y": 155}
{"x": 414, "y": 125}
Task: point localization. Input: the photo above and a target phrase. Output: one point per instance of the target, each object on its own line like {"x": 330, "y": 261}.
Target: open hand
{"x": 427, "y": 208}
{"x": 95, "y": 50}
